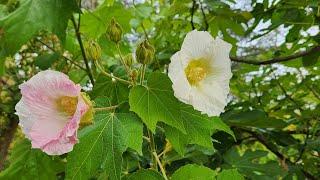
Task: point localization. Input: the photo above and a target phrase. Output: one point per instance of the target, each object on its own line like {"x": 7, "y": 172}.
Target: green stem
{"x": 122, "y": 60}
{"x": 160, "y": 165}
{"x": 152, "y": 149}
{"x": 106, "y": 108}
{"x": 109, "y": 75}
{"x": 143, "y": 71}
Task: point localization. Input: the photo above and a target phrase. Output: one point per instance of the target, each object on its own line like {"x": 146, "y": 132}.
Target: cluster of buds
{"x": 93, "y": 50}
{"x": 114, "y": 31}
{"x": 145, "y": 52}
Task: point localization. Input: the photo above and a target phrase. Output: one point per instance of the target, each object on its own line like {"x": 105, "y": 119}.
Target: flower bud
{"x": 93, "y": 50}
{"x": 128, "y": 59}
{"x": 87, "y": 118}
{"x": 134, "y": 74}
{"x": 114, "y": 31}
{"x": 145, "y": 52}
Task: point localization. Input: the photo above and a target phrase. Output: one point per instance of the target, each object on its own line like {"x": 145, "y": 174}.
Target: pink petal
{"x": 43, "y": 123}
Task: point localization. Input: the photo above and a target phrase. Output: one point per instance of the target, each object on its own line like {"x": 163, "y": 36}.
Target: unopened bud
{"x": 134, "y": 74}
{"x": 93, "y": 50}
{"x": 114, "y": 31}
{"x": 145, "y": 52}
{"x": 128, "y": 59}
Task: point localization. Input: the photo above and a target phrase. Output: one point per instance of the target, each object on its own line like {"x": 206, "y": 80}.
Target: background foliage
{"x": 270, "y": 129}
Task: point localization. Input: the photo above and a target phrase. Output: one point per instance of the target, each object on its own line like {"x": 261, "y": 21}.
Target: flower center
{"x": 68, "y": 104}
{"x": 197, "y": 70}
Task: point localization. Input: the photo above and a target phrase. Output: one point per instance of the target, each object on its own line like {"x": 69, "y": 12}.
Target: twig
{"x": 146, "y": 138}
{"x": 110, "y": 75}
{"x": 204, "y": 17}
{"x": 145, "y": 32}
{"x": 78, "y": 35}
{"x": 160, "y": 165}
{"x": 66, "y": 58}
{"x": 122, "y": 60}
{"x": 288, "y": 96}
{"x": 263, "y": 141}
{"x": 193, "y": 8}
{"x": 276, "y": 59}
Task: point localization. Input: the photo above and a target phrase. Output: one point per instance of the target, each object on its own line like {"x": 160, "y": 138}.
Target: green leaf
{"x": 248, "y": 164}
{"x": 156, "y": 102}
{"x": 145, "y": 174}
{"x": 143, "y": 11}
{"x": 78, "y": 76}
{"x": 94, "y": 24}
{"x": 193, "y": 171}
{"x": 199, "y": 129}
{"x": 254, "y": 118}
{"x": 31, "y": 17}
{"x": 27, "y": 163}
{"x": 102, "y": 144}
{"x": 134, "y": 127}
{"x": 45, "y": 61}
{"x": 230, "y": 174}
{"x": 311, "y": 59}
{"x": 116, "y": 91}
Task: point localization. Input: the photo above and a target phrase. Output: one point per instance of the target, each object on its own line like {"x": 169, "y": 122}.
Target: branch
{"x": 193, "y": 8}
{"x": 78, "y": 35}
{"x": 288, "y": 96}
{"x": 204, "y": 17}
{"x": 66, "y": 58}
{"x": 269, "y": 146}
{"x": 276, "y": 59}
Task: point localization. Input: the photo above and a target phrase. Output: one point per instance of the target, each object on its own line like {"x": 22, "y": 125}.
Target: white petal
{"x": 210, "y": 96}
{"x": 209, "y": 99}
{"x": 218, "y": 53}
{"x": 196, "y": 42}
{"x": 176, "y": 73}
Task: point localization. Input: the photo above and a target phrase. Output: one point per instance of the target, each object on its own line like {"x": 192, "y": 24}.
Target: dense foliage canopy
{"x": 270, "y": 128}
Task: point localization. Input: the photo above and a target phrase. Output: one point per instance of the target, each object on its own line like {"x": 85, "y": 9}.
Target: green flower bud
{"x": 134, "y": 75}
{"x": 93, "y": 50}
{"x": 128, "y": 59}
{"x": 114, "y": 31}
{"x": 145, "y": 52}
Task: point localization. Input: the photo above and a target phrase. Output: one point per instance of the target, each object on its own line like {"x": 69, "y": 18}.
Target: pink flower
{"x": 50, "y": 111}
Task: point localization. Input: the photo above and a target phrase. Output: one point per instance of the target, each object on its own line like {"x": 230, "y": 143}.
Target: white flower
{"x": 201, "y": 71}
